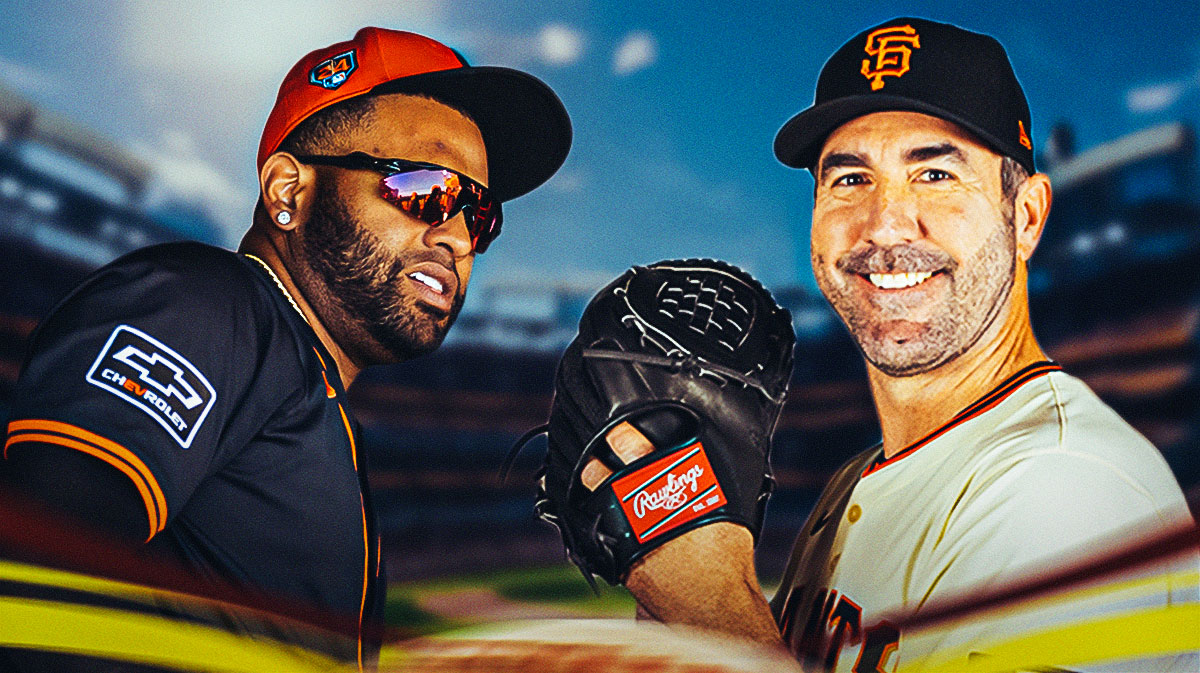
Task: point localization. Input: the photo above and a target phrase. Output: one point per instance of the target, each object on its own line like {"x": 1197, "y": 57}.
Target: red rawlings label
{"x": 669, "y": 492}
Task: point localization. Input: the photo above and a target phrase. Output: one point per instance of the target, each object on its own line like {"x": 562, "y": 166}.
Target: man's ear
{"x": 285, "y": 185}
{"x": 1030, "y": 210}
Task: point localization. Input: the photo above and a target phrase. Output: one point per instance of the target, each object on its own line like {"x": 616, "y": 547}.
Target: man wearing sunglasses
{"x": 995, "y": 466}
{"x": 193, "y": 399}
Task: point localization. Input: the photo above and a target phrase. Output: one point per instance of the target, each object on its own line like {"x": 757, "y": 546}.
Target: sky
{"x": 674, "y": 105}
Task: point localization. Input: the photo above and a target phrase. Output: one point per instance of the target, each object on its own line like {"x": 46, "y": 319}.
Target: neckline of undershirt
{"x": 985, "y": 403}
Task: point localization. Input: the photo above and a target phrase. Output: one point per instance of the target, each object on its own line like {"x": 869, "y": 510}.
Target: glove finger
{"x": 665, "y": 427}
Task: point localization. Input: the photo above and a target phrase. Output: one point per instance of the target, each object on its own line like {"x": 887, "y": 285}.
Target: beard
{"x": 976, "y": 292}
{"x": 366, "y": 306}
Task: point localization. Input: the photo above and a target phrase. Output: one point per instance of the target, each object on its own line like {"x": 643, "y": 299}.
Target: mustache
{"x": 895, "y": 258}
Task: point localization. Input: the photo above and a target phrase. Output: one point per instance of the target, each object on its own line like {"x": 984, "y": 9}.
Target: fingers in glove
{"x": 627, "y": 443}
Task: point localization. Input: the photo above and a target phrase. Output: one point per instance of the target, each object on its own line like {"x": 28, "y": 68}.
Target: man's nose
{"x": 893, "y": 217}
{"x": 451, "y": 234}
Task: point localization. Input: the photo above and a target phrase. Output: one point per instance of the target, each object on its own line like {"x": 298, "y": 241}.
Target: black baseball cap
{"x": 524, "y": 125}
{"x": 922, "y": 66}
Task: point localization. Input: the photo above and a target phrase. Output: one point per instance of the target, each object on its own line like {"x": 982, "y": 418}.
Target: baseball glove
{"x": 696, "y": 355}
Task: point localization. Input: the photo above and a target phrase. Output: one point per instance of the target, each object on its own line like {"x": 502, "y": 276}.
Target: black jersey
{"x": 188, "y": 369}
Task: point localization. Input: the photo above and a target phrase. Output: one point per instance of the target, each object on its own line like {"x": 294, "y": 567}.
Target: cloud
{"x": 560, "y": 45}
{"x": 554, "y": 44}
{"x": 1154, "y": 97}
{"x": 637, "y": 51}
{"x": 27, "y": 79}
{"x": 568, "y": 181}
{"x": 180, "y": 174}
{"x": 248, "y": 46}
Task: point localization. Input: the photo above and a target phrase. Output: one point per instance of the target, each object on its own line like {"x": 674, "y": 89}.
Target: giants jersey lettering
{"x": 1036, "y": 472}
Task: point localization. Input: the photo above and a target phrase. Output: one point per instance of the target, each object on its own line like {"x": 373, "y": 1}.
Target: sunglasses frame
{"x": 388, "y": 167}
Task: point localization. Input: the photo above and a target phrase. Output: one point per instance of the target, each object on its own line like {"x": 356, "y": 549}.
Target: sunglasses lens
{"x": 428, "y": 195}
{"x": 434, "y": 196}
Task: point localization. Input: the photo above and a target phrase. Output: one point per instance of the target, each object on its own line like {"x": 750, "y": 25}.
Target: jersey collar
{"x": 988, "y": 401}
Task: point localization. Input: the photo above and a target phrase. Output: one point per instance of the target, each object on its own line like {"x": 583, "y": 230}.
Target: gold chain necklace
{"x": 287, "y": 295}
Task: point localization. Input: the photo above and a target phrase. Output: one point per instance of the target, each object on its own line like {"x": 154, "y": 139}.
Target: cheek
{"x": 464, "y": 267}
{"x": 394, "y": 229}
{"x": 829, "y": 239}
{"x": 959, "y": 226}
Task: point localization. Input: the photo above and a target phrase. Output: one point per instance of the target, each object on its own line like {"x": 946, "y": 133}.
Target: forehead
{"x": 417, "y": 128}
{"x": 898, "y": 131}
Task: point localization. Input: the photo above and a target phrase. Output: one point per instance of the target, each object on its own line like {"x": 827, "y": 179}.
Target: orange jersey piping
{"x": 107, "y": 450}
{"x": 362, "y": 606}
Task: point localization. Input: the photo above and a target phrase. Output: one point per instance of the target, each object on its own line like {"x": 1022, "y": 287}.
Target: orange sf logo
{"x": 891, "y": 48}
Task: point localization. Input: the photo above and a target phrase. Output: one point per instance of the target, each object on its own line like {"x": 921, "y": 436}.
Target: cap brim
{"x": 524, "y": 125}
{"x": 798, "y": 144}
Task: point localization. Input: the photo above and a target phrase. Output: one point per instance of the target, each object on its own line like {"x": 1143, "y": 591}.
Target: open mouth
{"x": 429, "y": 281}
{"x": 435, "y": 285}
{"x": 898, "y": 281}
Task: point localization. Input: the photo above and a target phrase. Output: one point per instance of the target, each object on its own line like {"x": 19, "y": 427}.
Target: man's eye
{"x": 935, "y": 175}
{"x": 850, "y": 180}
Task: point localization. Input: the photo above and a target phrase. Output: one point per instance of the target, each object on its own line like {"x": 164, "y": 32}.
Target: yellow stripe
{"x": 133, "y": 475}
{"x": 1139, "y": 634}
{"x": 146, "y": 639}
{"x": 104, "y": 443}
{"x": 1140, "y": 586}
{"x": 30, "y": 574}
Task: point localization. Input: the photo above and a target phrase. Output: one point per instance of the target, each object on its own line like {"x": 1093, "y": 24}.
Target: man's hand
{"x": 658, "y": 467}
{"x": 705, "y": 578}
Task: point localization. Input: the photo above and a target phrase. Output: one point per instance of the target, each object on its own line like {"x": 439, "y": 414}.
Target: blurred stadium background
{"x": 1114, "y": 285}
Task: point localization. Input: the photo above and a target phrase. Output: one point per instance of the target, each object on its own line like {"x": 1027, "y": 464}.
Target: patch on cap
{"x": 1023, "y": 137}
{"x": 892, "y": 47}
{"x": 333, "y": 72}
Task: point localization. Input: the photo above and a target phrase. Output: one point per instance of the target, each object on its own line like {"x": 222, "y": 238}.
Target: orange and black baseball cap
{"x": 524, "y": 125}
{"x": 922, "y": 66}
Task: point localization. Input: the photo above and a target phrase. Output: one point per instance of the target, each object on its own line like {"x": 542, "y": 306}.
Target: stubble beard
{"x": 977, "y": 291}
{"x": 360, "y": 298}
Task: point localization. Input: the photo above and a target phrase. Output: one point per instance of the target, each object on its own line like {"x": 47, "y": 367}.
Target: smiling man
{"x": 193, "y": 398}
{"x": 994, "y": 465}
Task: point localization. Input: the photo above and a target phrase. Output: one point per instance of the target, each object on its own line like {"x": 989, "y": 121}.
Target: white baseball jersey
{"x": 1037, "y": 474}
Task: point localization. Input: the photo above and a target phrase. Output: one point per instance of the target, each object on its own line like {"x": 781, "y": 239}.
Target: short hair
{"x": 1012, "y": 176}
{"x": 317, "y": 132}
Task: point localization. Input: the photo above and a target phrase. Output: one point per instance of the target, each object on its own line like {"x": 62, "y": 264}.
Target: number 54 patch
{"x": 151, "y": 376}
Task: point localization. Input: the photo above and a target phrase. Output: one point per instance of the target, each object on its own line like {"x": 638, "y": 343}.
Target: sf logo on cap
{"x": 332, "y": 72}
{"x": 891, "y": 48}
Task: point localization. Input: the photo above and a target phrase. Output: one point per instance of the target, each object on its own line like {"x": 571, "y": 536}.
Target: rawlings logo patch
{"x": 146, "y": 373}
{"x": 333, "y": 72}
{"x": 668, "y": 492}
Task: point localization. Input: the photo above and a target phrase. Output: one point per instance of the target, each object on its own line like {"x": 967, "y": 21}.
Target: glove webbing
{"x": 679, "y": 363}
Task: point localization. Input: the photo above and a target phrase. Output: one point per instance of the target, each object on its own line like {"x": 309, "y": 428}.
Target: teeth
{"x": 897, "y": 281}
{"x": 428, "y": 280}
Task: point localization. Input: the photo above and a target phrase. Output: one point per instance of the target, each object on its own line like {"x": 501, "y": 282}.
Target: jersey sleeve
{"x": 142, "y": 367}
{"x": 1048, "y": 512}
